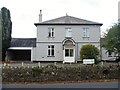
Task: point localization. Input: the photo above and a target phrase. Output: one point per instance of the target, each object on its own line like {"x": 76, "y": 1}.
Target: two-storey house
{"x": 61, "y": 39}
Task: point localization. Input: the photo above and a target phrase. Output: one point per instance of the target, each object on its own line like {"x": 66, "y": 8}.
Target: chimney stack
{"x": 40, "y": 16}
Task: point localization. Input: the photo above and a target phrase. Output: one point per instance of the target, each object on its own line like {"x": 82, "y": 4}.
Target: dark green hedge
{"x": 59, "y": 73}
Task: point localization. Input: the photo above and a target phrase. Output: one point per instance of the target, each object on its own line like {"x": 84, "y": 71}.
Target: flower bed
{"x": 53, "y": 73}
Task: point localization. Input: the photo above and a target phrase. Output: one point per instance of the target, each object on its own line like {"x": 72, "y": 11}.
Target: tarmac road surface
{"x": 68, "y": 85}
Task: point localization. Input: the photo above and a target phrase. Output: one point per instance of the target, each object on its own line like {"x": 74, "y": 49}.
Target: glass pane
{"x": 48, "y": 46}
{"x": 49, "y": 34}
{"x": 52, "y": 52}
{"x": 71, "y": 52}
{"x": 52, "y": 47}
{"x": 52, "y": 29}
{"x": 52, "y": 34}
{"x": 84, "y": 33}
{"x": 48, "y": 52}
{"x": 66, "y": 52}
{"x": 68, "y": 32}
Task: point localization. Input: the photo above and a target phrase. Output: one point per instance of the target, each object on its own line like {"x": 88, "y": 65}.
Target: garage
{"x": 19, "y": 55}
{"x": 21, "y": 49}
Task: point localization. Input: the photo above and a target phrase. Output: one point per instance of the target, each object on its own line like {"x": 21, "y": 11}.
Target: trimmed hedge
{"x": 59, "y": 73}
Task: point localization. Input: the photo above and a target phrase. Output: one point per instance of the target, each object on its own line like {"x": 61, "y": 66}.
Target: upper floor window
{"x": 51, "y": 32}
{"x": 68, "y": 32}
{"x": 86, "y": 32}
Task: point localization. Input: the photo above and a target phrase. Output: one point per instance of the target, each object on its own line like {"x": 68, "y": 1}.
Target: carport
{"x": 21, "y": 49}
{"x": 19, "y": 54}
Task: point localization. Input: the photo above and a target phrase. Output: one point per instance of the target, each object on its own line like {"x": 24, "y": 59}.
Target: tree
{"x": 89, "y": 52}
{"x": 111, "y": 40}
{"x": 0, "y": 36}
{"x": 6, "y": 30}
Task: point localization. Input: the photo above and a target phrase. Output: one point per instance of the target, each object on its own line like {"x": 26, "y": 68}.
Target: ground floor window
{"x": 50, "y": 50}
{"x": 68, "y": 52}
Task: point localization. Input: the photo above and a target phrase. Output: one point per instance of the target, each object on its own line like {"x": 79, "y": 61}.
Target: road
{"x": 68, "y": 85}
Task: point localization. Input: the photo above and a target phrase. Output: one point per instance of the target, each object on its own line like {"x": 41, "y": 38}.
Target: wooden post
{"x": 22, "y": 64}
{"x": 55, "y": 63}
{"x": 39, "y": 64}
{"x": 4, "y": 64}
{"x": 101, "y": 63}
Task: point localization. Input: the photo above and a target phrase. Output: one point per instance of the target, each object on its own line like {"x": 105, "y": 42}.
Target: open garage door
{"x": 22, "y": 55}
{"x": 21, "y": 49}
{"x": 19, "y": 54}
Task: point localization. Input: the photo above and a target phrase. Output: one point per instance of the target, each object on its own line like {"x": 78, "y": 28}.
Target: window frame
{"x": 68, "y": 32}
{"x": 51, "y": 32}
{"x": 69, "y": 53}
{"x": 86, "y": 33}
{"x": 51, "y": 51}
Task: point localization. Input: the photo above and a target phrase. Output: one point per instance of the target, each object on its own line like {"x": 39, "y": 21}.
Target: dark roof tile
{"x": 23, "y": 42}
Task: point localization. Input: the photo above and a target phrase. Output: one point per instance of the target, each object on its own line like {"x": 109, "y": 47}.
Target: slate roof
{"x": 23, "y": 42}
{"x": 68, "y": 20}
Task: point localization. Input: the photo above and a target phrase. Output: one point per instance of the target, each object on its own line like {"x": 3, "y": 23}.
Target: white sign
{"x": 88, "y": 61}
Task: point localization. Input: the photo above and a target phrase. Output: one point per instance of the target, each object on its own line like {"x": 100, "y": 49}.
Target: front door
{"x": 69, "y": 55}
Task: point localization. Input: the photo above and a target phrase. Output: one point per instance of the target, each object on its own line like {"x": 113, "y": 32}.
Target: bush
{"x": 89, "y": 52}
{"x": 59, "y": 73}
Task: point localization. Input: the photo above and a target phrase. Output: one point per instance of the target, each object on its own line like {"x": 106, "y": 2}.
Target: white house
{"x": 59, "y": 39}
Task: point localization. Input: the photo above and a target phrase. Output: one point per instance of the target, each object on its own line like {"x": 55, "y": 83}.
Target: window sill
{"x": 68, "y": 37}
{"x": 50, "y": 37}
{"x": 50, "y": 56}
{"x": 85, "y": 37}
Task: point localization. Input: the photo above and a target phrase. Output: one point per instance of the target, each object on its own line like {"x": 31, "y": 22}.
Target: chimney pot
{"x": 40, "y": 16}
{"x": 40, "y": 11}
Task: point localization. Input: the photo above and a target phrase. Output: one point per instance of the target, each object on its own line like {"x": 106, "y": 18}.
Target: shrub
{"x": 89, "y": 52}
{"x": 56, "y": 73}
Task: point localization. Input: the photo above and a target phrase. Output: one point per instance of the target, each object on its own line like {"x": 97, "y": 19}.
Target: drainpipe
{"x": 77, "y": 52}
{"x": 100, "y": 50}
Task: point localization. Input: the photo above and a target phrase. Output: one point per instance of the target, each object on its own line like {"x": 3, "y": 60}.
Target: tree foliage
{"x": 89, "y": 52}
{"x": 111, "y": 40}
{"x": 6, "y": 30}
{"x": 0, "y": 36}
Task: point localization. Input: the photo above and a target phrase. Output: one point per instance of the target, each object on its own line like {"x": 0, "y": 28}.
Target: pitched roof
{"x": 23, "y": 42}
{"x": 68, "y": 20}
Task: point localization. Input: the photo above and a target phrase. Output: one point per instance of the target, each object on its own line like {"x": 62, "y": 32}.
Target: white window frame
{"x": 70, "y": 54}
{"x": 86, "y": 32}
{"x": 51, "y": 32}
{"x": 51, "y": 50}
{"x": 68, "y": 32}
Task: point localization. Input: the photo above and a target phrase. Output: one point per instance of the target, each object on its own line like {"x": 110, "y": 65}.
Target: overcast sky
{"x": 24, "y": 13}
